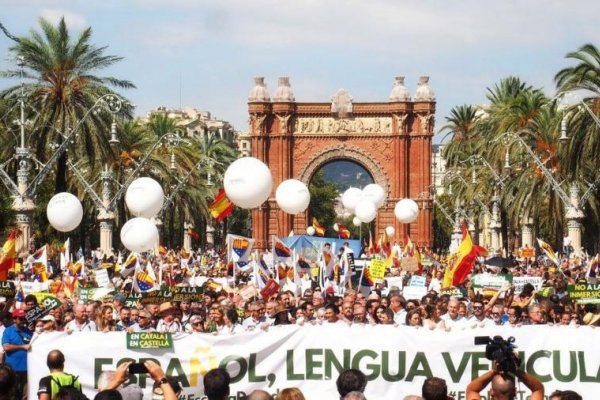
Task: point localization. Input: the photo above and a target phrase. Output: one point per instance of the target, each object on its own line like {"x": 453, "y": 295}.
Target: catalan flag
{"x": 130, "y": 265}
{"x": 39, "y": 272}
{"x": 262, "y": 273}
{"x": 221, "y": 207}
{"x": 366, "y": 281}
{"x": 319, "y": 229}
{"x": 8, "y": 256}
{"x": 239, "y": 249}
{"x": 343, "y": 231}
{"x": 144, "y": 279}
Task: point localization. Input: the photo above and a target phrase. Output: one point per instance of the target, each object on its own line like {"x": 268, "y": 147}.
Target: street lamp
{"x": 24, "y": 191}
{"x": 107, "y": 203}
{"x": 566, "y": 104}
{"x": 573, "y": 212}
{"x": 187, "y": 239}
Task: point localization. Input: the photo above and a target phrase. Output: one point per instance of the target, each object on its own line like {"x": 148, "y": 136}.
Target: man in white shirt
{"x": 436, "y": 282}
{"x": 257, "y": 316}
{"x": 81, "y": 322}
{"x": 398, "y": 306}
{"x": 452, "y": 319}
{"x": 478, "y": 319}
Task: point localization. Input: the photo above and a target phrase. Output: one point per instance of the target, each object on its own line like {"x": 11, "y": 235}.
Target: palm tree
{"x": 61, "y": 86}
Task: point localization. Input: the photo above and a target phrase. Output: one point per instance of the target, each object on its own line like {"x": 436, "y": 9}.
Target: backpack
{"x": 63, "y": 382}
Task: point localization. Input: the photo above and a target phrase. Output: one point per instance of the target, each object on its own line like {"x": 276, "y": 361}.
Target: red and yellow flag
{"x": 343, "y": 231}
{"x": 221, "y": 207}
{"x": 8, "y": 257}
{"x": 319, "y": 229}
{"x": 463, "y": 261}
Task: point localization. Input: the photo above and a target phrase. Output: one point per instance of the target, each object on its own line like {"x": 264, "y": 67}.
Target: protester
{"x": 503, "y": 386}
{"x": 434, "y": 389}
{"x": 80, "y": 323}
{"x": 290, "y": 394}
{"x": 351, "y": 380}
{"x": 216, "y": 384}
{"x": 50, "y": 385}
{"x": 15, "y": 342}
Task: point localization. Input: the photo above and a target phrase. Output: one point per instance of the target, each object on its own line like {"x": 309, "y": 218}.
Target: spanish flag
{"x": 8, "y": 256}
{"x": 343, "y": 231}
{"x": 463, "y": 261}
{"x": 221, "y": 207}
{"x": 319, "y": 229}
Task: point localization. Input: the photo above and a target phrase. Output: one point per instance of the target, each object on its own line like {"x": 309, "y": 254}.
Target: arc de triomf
{"x": 391, "y": 140}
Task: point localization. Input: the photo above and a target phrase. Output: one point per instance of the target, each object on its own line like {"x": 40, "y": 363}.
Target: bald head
{"x": 502, "y": 388}
{"x": 55, "y": 360}
{"x": 260, "y": 395}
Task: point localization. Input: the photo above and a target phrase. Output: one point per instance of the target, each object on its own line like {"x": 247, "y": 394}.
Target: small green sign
{"x": 93, "y": 294}
{"x": 584, "y": 293}
{"x": 188, "y": 293}
{"x": 8, "y": 289}
{"x": 149, "y": 340}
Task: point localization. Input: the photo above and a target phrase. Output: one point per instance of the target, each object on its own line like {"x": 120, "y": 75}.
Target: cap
{"x": 48, "y": 318}
{"x": 18, "y": 313}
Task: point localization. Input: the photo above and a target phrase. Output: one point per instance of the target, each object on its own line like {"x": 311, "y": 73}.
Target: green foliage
{"x": 322, "y": 202}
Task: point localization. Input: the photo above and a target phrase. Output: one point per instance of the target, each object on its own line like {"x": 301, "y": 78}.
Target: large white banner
{"x": 396, "y": 359}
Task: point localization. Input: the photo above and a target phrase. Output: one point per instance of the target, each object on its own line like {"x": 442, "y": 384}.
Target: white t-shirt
{"x": 458, "y": 323}
{"x": 88, "y": 326}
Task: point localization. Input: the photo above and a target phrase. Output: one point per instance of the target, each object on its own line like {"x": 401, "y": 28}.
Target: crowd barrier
{"x": 395, "y": 360}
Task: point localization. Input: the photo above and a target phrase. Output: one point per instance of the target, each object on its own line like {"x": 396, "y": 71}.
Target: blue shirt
{"x": 16, "y": 359}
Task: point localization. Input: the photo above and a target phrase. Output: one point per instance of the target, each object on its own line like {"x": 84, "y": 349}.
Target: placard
{"x": 377, "y": 269}
{"x": 149, "y": 340}
{"x": 584, "y": 293}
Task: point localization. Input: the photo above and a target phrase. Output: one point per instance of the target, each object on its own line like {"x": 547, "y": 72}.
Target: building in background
{"x": 244, "y": 144}
{"x": 196, "y": 122}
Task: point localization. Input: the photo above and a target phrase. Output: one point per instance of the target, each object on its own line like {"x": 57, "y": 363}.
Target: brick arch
{"x": 345, "y": 152}
{"x": 391, "y": 140}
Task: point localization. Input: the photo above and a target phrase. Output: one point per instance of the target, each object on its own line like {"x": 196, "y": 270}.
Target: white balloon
{"x": 139, "y": 235}
{"x": 310, "y": 231}
{"x": 390, "y": 231}
{"x": 292, "y": 196}
{"x": 351, "y": 197}
{"x": 356, "y": 221}
{"x": 248, "y": 182}
{"x": 64, "y": 212}
{"x": 406, "y": 211}
{"x": 365, "y": 211}
{"x": 375, "y": 193}
{"x": 144, "y": 197}
{"x": 336, "y": 227}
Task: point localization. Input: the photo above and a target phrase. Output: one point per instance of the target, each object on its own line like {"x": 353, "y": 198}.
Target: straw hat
{"x": 591, "y": 318}
{"x": 165, "y": 307}
{"x": 279, "y": 309}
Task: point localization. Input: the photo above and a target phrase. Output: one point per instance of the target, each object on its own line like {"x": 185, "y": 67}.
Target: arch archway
{"x": 391, "y": 140}
{"x": 343, "y": 152}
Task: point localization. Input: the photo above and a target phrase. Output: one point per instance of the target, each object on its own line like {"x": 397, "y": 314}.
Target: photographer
{"x": 503, "y": 386}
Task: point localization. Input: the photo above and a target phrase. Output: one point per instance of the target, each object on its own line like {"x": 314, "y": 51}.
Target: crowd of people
{"x": 226, "y": 309}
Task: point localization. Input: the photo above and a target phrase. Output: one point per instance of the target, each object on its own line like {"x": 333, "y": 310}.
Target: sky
{"x": 205, "y": 53}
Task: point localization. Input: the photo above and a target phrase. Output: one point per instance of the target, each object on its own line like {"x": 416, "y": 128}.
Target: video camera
{"x": 501, "y": 351}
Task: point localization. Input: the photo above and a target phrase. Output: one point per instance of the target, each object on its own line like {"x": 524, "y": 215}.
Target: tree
{"x": 323, "y": 196}
{"x": 61, "y": 86}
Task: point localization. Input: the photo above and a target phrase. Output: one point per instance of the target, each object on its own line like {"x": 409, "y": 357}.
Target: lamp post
{"x": 573, "y": 212}
{"x": 187, "y": 238}
{"x": 106, "y": 205}
{"x": 25, "y": 191}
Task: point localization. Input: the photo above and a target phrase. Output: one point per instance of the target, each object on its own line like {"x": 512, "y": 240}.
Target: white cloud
{"x": 73, "y": 20}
